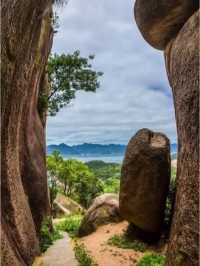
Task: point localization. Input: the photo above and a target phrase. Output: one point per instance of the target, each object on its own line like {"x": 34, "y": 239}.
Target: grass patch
{"x": 48, "y": 235}
{"x": 82, "y": 256}
{"x": 70, "y": 224}
{"x": 151, "y": 259}
{"x": 121, "y": 241}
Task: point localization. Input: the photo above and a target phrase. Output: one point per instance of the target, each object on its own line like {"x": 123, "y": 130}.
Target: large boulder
{"x": 145, "y": 181}
{"x": 26, "y": 42}
{"x": 174, "y": 27}
{"x": 182, "y": 62}
{"x": 159, "y": 20}
{"x": 104, "y": 209}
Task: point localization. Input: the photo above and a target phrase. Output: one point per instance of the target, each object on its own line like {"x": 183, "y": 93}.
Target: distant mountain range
{"x": 89, "y": 149}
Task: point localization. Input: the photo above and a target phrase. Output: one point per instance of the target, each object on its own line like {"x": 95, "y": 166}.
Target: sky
{"x": 134, "y": 91}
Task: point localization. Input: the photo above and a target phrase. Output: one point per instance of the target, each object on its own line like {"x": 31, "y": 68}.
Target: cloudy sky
{"x": 134, "y": 90}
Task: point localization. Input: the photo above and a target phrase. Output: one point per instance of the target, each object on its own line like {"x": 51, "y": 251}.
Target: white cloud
{"x": 134, "y": 90}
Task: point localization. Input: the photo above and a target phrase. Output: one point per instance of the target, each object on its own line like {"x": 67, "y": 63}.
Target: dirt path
{"x": 106, "y": 255}
{"x": 59, "y": 254}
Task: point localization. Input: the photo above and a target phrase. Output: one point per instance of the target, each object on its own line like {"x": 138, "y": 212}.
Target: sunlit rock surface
{"x": 104, "y": 209}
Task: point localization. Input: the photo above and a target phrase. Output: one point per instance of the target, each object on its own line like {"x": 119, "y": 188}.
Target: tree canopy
{"x": 54, "y": 163}
{"x": 78, "y": 181}
{"x": 67, "y": 74}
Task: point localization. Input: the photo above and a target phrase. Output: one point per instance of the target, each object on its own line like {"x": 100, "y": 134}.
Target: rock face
{"x": 145, "y": 181}
{"x": 181, "y": 44}
{"x": 159, "y": 20}
{"x": 182, "y": 61}
{"x": 104, "y": 209}
{"x": 26, "y": 42}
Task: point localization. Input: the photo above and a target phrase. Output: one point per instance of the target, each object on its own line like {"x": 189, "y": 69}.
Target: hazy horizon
{"x": 94, "y": 144}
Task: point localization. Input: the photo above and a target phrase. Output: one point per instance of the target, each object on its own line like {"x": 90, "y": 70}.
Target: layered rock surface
{"x": 174, "y": 27}
{"x": 26, "y": 42}
{"x": 145, "y": 180}
{"x": 182, "y": 62}
{"x": 104, "y": 209}
{"x": 159, "y": 20}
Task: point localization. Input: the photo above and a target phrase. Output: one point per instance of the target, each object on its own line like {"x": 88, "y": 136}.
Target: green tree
{"x": 87, "y": 186}
{"x": 104, "y": 170}
{"x": 74, "y": 178}
{"x": 68, "y": 74}
{"x": 67, "y": 175}
{"x": 111, "y": 185}
{"x": 54, "y": 162}
{"x": 79, "y": 182}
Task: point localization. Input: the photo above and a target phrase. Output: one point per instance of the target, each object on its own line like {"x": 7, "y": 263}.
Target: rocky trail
{"x": 104, "y": 254}
{"x": 59, "y": 254}
{"x": 96, "y": 244}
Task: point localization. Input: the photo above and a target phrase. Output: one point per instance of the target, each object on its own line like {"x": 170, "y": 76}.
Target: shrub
{"x": 82, "y": 256}
{"x": 103, "y": 170}
{"x": 70, "y": 224}
{"x": 111, "y": 185}
{"x": 151, "y": 259}
{"x": 48, "y": 235}
{"x": 121, "y": 241}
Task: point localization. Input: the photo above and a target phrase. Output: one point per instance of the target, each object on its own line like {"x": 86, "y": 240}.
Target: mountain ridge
{"x": 87, "y": 149}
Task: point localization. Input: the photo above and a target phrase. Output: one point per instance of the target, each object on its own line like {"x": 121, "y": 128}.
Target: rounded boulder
{"x": 159, "y": 20}
{"x": 145, "y": 181}
{"x": 104, "y": 210}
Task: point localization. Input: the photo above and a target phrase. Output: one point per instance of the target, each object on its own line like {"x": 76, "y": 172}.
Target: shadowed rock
{"x": 159, "y": 20}
{"x": 182, "y": 62}
{"x": 145, "y": 181}
{"x": 26, "y": 42}
{"x": 174, "y": 26}
{"x": 104, "y": 209}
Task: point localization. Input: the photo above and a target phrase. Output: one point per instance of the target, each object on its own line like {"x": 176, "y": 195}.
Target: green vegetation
{"x": 104, "y": 170}
{"x": 81, "y": 181}
{"x": 48, "y": 235}
{"x": 108, "y": 173}
{"x": 70, "y": 224}
{"x": 82, "y": 256}
{"x": 151, "y": 259}
{"x": 68, "y": 74}
{"x": 73, "y": 178}
{"x": 53, "y": 164}
{"x": 173, "y": 173}
{"x": 84, "y": 181}
{"x": 111, "y": 185}
{"x": 121, "y": 241}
